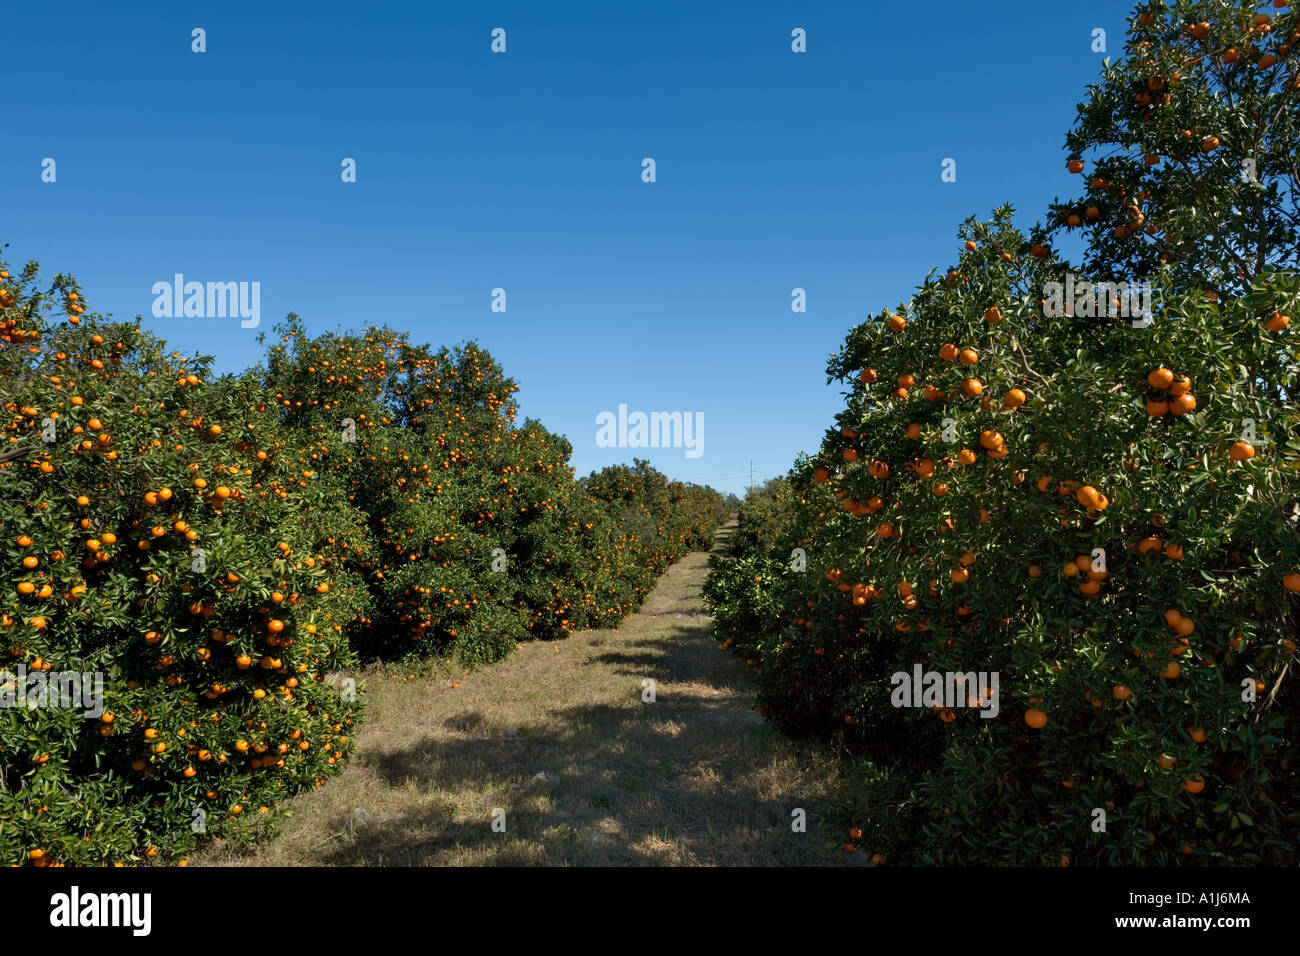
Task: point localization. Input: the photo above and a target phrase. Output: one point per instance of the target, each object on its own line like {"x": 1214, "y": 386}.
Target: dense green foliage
{"x": 225, "y": 551}
{"x": 1103, "y": 511}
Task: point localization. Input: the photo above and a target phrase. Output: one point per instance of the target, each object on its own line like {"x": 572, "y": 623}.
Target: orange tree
{"x": 1129, "y": 575}
{"x": 1100, "y": 509}
{"x": 143, "y": 542}
{"x": 474, "y": 533}
{"x": 669, "y": 517}
{"x": 1190, "y": 148}
{"x": 220, "y": 551}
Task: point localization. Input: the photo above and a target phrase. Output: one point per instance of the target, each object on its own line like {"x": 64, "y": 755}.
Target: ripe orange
{"x": 1194, "y": 785}
{"x": 1035, "y": 718}
{"x": 1089, "y": 497}
{"x": 1241, "y": 451}
{"x": 1121, "y": 692}
{"x": 1149, "y": 544}
{"x": 1278, "y": 322}
{"x": 1292, "y": 581}
{"x": 992, "y": 316}
{"x": 1160, "y": 378}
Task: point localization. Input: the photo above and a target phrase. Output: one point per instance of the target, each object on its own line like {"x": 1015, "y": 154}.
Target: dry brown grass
{"x": 695, "y": 778}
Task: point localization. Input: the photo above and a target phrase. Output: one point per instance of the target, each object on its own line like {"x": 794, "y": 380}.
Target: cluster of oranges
{"x": 1173, "y": 395}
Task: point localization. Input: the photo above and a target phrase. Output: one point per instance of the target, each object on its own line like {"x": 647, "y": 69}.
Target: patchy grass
{"x": 587, "y": 773}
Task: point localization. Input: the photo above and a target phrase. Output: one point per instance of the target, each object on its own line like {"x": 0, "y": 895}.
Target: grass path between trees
{"x": 586, "y": 771}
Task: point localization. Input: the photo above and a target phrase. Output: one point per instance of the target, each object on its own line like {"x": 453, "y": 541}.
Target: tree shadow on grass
{"x": 690, "y": 778}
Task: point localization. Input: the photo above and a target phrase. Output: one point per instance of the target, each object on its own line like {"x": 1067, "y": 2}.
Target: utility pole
{"x": 751, "y": 473}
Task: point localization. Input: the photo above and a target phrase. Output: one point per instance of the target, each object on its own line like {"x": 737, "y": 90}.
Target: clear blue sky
{"x": 522, "y": 170}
